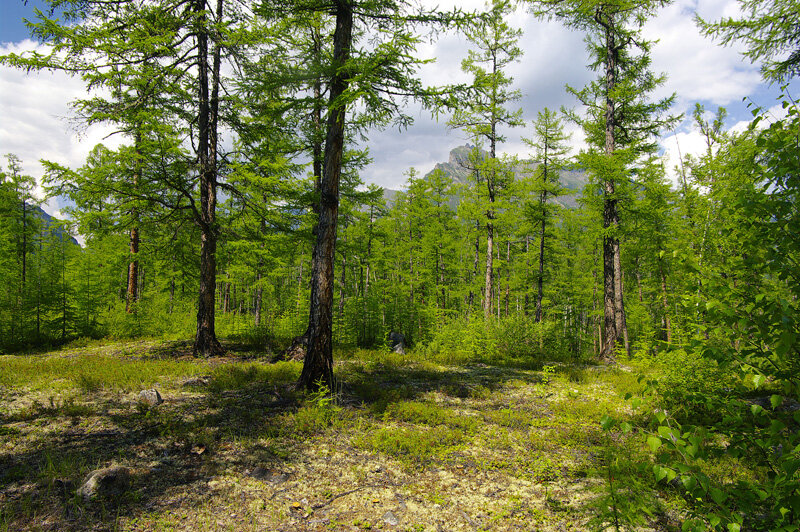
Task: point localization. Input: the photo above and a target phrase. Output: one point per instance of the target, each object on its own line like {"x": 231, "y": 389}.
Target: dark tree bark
{"x": 206, "y": 343}
{"x": 318, "y": 364}
{"x": 133, "y": 266}
{"x": 613, "y": 311}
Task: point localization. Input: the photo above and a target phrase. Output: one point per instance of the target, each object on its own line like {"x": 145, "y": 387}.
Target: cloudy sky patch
{"x": 35, "y": 107}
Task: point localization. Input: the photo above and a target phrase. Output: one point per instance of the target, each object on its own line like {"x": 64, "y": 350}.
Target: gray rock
{"x": 150, "y": 397}
{"x": 397, "y": 342}
{"x": 105, "y": 483}
{"x": 390, "y": 519}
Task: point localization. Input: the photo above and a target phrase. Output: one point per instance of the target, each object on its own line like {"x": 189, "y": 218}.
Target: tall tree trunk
{"x": 527, "y": 269}
{"x": 171, "y": 293}
{"x": 133, "y": 271}
{"x": 598, "y": 338}
{"x": 611, "y": 307}
{"x": 487, "y": 298}
{"x": 39, "y": 291}
{"x": 206, "y": 343}
{"x": 24, "y": 244}
{"x": 226, "y": 298}
{"x": 540, "y": 276}
{"x": 133, "y": 264}
{"x": 318, "y": 364}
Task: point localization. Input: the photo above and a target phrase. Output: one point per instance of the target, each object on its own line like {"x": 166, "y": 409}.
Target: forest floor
{"x": 405, "y": 444}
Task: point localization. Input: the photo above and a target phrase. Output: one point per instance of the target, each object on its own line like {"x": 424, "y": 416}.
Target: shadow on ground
{"x": 175, "y": 449}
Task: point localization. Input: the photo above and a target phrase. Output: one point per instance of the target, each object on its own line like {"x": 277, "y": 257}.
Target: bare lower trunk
{"x": 226, "y": 299}
{"x": 259, "y": 297}
{"x": 133, "y": 265}
{"x": 487, "y": 298}
{"x": 665, "y": 302}
{"x": 342, "y": 280}
{"x": 508, "y": 275}
{"x": 475, "y": 264}
{"x": 133, "y": 271}
{"x": 540, "y": 277}
{"x": 318, "y": 364}
{"x": 619, "y": 301}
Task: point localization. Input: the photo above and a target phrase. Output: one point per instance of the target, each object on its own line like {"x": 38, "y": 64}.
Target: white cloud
{"x": 36, "y": 121}
{"x": 696, "y": 66}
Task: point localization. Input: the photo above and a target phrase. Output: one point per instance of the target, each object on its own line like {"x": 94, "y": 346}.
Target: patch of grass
{"x": 57, "y": 464}
{"x": 508, "y": 417}
{"x": 318, "y": 414}
{"x": 380, "y": 397}
{"x": 236, "y": 377}
{"x": 91, "y": 373}
{"x": 56, "y": 407}
{"x": 429, "y": 414}
{"x": 412, "y": 445}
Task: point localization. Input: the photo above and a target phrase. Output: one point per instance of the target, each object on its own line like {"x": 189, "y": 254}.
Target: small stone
{"x": 108, "y": 482}
{"x": 150, "y": 397}
{"x": 260, "y": 473}
{"x": 390, "y": 519}
{"x": 273, "y": 477}
{"x": 197, "y": 381}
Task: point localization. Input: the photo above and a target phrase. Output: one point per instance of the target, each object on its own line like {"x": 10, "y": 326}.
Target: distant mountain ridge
{"x": 51, "y": 223}
{"x": 458, "y": 165}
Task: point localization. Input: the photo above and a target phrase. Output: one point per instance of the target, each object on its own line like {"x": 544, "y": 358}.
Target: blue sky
{"x": 11, "y": 14}
{"x": 35, "y": 116}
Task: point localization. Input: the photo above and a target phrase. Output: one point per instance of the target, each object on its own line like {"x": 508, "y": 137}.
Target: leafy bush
{"x": 693, "y": 387}
{"x": 515, "y": 341}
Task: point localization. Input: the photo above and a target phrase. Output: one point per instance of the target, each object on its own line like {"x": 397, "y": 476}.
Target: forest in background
{"x": 701, "y": 277}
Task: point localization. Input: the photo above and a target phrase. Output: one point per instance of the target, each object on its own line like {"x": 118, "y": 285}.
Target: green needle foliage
{"x": 768, "y": 29}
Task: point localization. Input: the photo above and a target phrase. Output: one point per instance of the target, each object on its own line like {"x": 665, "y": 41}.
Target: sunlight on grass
{"x": 91, "y": 373}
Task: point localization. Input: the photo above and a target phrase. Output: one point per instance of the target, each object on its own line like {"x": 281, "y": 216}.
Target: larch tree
{"x": 485, "y": 110}
{"x": 549, "y": 143}
{"x": 372, "y": 64}
{"x": 160, "y": 60}
{"x": 621, "y": 123}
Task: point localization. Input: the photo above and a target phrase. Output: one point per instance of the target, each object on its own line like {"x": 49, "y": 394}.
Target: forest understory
{"x": 403, "y": 443}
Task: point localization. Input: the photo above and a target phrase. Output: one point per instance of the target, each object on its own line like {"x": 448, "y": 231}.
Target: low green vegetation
{"x": 493, "y": 445}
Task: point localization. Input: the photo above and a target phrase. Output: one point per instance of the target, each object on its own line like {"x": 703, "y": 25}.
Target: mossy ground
{"x": 404, "y": 444}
